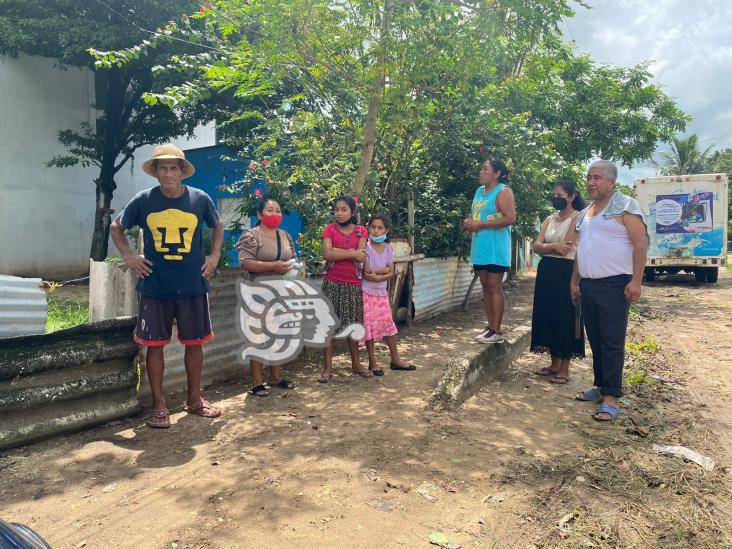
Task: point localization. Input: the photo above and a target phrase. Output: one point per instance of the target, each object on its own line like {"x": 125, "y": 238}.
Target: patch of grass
{"x": 634, "y": 314}
{"x": 636, "y": 376}
{"x": 729, "y": 262}
{"x": 655, "y": 501}
{"x": 648, "y": 345}
{"x": 64, "y": 313}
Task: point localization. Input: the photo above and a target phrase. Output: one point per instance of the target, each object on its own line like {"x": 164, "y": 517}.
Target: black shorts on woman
{"x": 490, "y": 268}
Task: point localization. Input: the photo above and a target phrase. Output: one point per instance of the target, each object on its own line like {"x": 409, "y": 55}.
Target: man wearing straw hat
{"x": 173, "y": 273}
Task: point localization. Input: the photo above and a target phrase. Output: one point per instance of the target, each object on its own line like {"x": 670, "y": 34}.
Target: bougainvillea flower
{"x": 355, "y": 199}
{"x": 253, "y": 165}
{"x": 265, "y": 162}
{"x": 259, "y": 193}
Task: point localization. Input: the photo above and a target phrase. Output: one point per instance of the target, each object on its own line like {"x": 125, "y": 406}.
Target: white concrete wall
{"x": 47, "y": 214}
{"x": 44, "y": 212}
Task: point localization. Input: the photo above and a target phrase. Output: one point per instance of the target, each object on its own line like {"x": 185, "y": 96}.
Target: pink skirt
{"x": 377, "y": 317}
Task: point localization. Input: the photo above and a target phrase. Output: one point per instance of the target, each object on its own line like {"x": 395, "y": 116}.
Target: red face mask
{"x": 272, "y": 221}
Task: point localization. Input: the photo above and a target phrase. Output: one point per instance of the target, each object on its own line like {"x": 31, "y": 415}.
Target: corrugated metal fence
{"x": 66, "y": 381}
{"x": 23, "y": 307}
{"x": 440, "y": 284}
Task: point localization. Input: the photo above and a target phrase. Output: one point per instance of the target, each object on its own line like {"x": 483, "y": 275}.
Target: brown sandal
{"x": 203, "y": 408}
{"x": 163, "y": 414}
{"x": 363, "y": 373}
{"x": 545, "y": 372}
{"x": 559, "y": 380}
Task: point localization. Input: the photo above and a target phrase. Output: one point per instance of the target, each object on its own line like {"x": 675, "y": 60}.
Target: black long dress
{"x": 554, "y": 327}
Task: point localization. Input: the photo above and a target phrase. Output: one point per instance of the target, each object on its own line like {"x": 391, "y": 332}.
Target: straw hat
{"x": 168, "y": 152}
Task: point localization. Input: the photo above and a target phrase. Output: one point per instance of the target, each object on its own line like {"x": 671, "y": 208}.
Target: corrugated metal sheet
{"x": 66, "y": 381}
{"x": 463, "y": 278}
{"x": 440, "y": 284}
{"x": 220, "y": 355}
{"x": 23, "y": 307}
{"x": 433, "y": 286}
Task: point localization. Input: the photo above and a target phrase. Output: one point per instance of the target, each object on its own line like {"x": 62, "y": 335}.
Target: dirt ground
{"x": 363, "y": 463}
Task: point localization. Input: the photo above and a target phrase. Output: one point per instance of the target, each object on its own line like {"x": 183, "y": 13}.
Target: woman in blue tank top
{"x": 492, "y": 215}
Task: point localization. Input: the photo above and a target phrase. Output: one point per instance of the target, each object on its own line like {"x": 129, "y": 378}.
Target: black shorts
{"x": 490, "y": 268}
{"x": 155, "y": 320}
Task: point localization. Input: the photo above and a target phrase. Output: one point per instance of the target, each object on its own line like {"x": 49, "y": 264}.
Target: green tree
{"x": 437, "y": 86}
{"x": 684, "y": 157}
{"x": 66, "y": 30}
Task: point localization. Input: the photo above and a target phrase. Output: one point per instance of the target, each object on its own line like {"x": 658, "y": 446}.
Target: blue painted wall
{"x": 212, "y": 172}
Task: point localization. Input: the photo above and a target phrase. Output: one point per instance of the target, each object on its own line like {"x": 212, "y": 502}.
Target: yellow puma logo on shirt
{"x": 172, "y": 231}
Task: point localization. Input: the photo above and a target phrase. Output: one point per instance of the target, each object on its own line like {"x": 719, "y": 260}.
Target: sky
{"x": 688, "y": 44}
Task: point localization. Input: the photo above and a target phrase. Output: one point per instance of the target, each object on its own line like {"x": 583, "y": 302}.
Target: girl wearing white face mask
{"x": 377, "y": 318}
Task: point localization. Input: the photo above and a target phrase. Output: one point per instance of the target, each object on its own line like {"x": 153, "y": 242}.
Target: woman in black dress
{"x": 556, "y": 327}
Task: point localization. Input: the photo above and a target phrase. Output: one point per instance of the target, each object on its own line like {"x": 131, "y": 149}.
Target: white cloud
{"x": 687, "y": 42}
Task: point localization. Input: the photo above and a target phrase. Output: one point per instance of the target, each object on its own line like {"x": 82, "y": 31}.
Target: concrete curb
{"x": 465, "y": 376}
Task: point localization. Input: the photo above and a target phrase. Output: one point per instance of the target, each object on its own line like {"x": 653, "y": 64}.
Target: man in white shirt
{"x": 611, "y": 257}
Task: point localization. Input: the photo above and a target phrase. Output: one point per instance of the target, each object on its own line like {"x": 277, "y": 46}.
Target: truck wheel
{"x": 649, "y": 275}
{"x": 700, "y": 274}
{"x": 712, "y": 274}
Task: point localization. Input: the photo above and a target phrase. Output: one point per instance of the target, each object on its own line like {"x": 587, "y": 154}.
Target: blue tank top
{"x": 489, "y": 246}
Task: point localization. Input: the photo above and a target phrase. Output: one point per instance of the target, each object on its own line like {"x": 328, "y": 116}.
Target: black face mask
{"x": 559, "y": 203}
{"x": 347, "y": 223}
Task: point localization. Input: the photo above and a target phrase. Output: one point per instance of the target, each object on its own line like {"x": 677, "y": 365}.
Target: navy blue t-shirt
{"x": 173, "y": 242}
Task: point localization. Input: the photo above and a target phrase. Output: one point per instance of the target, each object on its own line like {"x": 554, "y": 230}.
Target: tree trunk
{"x": 102, "y": 220}
{"x": 368, "y": 141}
{"x": 110, "y": 133}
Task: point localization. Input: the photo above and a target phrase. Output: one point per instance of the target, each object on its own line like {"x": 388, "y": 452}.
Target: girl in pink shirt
{"x": 344, "y": 243}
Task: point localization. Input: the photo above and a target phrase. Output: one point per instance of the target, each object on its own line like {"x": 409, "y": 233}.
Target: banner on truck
{"x": 684, "y": 213}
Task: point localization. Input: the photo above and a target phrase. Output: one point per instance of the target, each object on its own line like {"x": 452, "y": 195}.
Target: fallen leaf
{"x": 424, "y": 491}
{"x": 565, "y": 519}
{"x": 637, "y": 430}
{"x": 109, "y": 488}
{"x": 438, "y": 538}
{"x": 81, "y": 544}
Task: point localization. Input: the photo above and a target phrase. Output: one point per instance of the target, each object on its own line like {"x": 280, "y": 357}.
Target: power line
{"x": 566, "y": 24}
{"x": 153, "y": 33}
{"x": 715, "y": 138}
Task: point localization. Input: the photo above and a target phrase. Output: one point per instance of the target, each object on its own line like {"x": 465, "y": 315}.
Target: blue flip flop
{"x": 609, "y": 409}
{"x": 589, "y": 395}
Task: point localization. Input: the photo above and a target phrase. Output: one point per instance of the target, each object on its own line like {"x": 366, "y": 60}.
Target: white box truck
{"x": 687, "y": 224}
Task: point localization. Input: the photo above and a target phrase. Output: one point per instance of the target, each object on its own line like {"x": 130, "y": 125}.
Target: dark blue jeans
{"x": 605, "y": 312}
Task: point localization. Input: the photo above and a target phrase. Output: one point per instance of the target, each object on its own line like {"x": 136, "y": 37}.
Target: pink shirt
{"x": 344, "y": 270}
{"x": 377, "y": 261}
